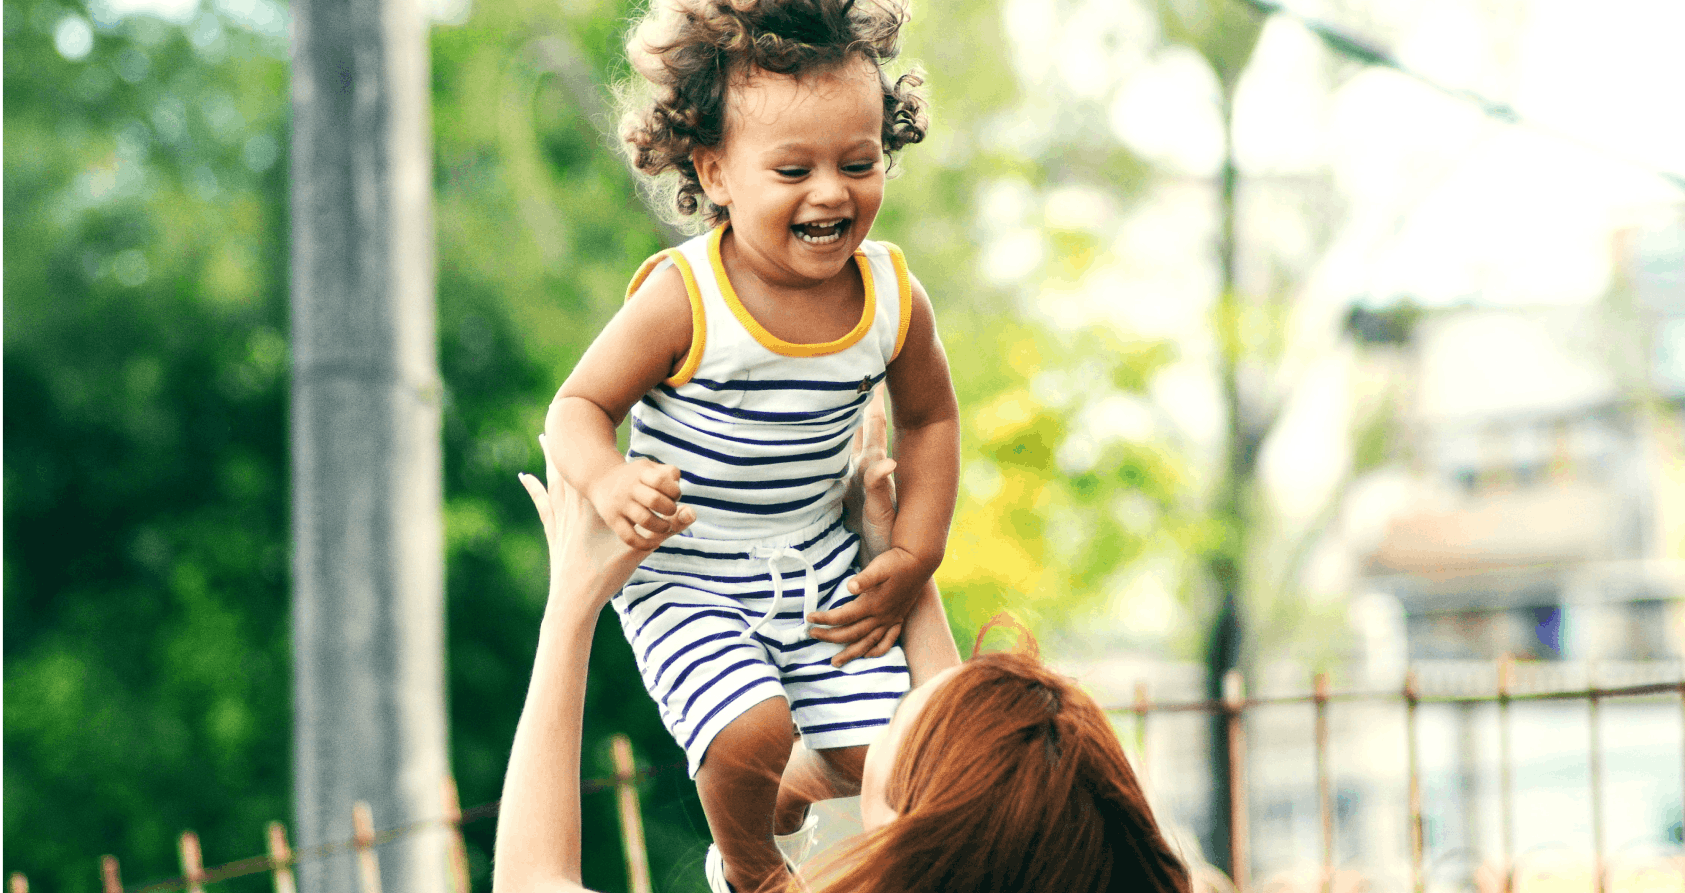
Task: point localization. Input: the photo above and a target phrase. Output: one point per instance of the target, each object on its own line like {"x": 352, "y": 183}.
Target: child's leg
{"x": 814, "y": 775}
{"x": 738, "y": 783}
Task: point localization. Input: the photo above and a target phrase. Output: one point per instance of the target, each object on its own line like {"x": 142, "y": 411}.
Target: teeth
{"x": 820, "y": 233}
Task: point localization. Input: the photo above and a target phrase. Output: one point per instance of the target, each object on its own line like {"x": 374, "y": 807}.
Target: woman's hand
{"x": 581, "y": 545}
{"x": 870, "y": 625}
{"x": 869, "y": 501}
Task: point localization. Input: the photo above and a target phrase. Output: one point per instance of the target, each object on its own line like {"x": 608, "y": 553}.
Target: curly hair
{"x": 687, "y": 54}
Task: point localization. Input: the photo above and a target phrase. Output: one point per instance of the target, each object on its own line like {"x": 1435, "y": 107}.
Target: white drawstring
{"x": 810, "y": 595}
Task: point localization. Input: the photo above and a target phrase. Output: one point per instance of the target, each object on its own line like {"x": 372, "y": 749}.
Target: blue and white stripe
{"x": 685, "y": 613}
{"x": 760, "y": 430}
{"x": 761, "y": 437}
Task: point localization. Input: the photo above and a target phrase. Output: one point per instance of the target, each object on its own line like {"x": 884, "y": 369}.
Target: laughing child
{"x": 745, "y": 358}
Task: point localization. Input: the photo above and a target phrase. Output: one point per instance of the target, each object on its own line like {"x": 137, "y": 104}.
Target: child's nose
{"x": 828, "y": 189}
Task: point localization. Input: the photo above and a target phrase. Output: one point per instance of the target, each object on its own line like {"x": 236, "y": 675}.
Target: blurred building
{"x": 1549, "y": 447}
{"x": 1545, "y": 451}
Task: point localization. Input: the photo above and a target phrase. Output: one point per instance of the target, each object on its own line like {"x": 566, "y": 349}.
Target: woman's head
{"x": 1002, "y": 775}
{"x": 695, "y": 57}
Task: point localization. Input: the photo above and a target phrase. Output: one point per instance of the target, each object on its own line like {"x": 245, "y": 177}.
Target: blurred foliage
{"x": 146, "y": 574}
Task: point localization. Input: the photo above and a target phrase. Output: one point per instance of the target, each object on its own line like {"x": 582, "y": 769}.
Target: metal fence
{"x": 278, "y": 862}
{"x": 1235, "y": 709}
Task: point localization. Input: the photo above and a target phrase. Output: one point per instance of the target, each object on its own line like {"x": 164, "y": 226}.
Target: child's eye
{"x": 863, "y": 167}
{"x": 791, "y": 172}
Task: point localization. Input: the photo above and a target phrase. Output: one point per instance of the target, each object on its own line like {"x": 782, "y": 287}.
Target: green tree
{"x": 146, "y": 571}
{"x": 145, "y": 553}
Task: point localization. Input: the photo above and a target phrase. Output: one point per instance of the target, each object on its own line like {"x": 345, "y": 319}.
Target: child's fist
{"x": 637, "y": 501}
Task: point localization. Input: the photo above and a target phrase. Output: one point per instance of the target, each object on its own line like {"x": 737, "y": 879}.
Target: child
{"x": 745, "y": 357}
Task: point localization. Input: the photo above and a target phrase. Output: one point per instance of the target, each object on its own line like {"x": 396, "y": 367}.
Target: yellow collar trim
{"x": 774, "y": 343}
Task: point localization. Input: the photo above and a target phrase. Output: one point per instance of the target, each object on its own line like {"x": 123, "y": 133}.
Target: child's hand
{"x": 583, "y": 551}
{"x": 871, "y": 624}
{"x": 637, "y": 501}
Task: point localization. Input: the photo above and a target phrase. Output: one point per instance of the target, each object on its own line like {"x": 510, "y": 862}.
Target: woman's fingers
{"x": 540, "y": 501}
{"x": 876, "y": 427}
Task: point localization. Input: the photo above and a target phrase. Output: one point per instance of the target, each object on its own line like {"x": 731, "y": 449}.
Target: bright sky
{"x": 1440, "y": 202}
{"x": 1423, "y": 194}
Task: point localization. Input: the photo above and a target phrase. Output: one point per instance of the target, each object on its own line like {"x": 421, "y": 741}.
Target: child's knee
{"x": 755, "y": 744}
{"x": 845, "y": 762}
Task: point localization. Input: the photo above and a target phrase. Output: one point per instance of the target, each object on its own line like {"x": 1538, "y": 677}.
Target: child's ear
{"x": 707, "y": 162}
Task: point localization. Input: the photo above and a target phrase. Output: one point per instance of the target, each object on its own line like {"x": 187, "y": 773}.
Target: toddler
{"x": 746, "y": 357}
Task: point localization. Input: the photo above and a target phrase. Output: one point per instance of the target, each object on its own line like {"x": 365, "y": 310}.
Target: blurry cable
{"x": 1362, "y": 50}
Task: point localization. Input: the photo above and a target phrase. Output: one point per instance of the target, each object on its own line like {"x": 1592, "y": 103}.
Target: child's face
{"x": 801, "y": 170}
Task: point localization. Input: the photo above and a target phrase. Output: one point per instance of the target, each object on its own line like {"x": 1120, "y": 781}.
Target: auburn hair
{"x": 1012, "y": 779}
{"x": 686, "y": 55}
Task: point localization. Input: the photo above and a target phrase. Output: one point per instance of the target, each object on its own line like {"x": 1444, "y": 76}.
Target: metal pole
{"x": 1414, "y": 784}
{"x": 1324, "y": 781}
{"x": 631, "y": 818}
{"x": 1234, "y": 703}
{"x": 1506, "y": 782}
{"x": 368, "y": 567}
{"x": 1599, "y": 874}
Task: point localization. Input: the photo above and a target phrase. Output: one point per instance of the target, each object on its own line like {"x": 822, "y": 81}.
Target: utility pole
{"x": 368, "y": 566}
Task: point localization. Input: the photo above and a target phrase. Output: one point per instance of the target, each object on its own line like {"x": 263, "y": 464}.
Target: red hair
{"x": 1012, "y": 779}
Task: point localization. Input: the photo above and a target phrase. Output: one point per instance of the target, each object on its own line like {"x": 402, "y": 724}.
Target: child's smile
{"x": 800, "y": 170}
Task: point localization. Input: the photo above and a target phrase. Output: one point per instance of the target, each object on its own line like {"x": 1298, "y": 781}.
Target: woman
{"x": 994, "y": 775}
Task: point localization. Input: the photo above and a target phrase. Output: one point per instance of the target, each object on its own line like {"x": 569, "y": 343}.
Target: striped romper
{"x": 760, "y": 430}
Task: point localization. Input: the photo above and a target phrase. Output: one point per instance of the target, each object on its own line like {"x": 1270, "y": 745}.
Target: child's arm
{"x": 870, "y": 503}
{"x": 644, "y": 344}
{"x": 927, "y": 480}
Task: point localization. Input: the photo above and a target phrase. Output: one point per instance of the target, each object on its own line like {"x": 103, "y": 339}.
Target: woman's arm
{"x": 538, "y": 834}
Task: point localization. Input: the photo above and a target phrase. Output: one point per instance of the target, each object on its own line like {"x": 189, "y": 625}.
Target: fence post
{"x": 192, "y": 862}
{"x": 453, "y": 827}
{"x": 1234, "y": 702}
{"x": 17, "y": 883}
{"x": 1417, "y": 881}
{"x": 281, "y": 859}
{"x": 1324, "y": 780}
{"x": 631, "y": 819}
{"x": 110, "y": 875}
{"x": 368, "y": 864}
